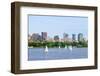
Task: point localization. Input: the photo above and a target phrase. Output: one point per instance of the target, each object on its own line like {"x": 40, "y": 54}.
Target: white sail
{"x": 70, "y": 48}
{"x": 46, "y": 49}
{"x": 66, "y": 47}
{"x": 59, "y": 46}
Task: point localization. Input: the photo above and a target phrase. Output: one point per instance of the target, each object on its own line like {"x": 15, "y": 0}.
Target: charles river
{"x": 57, "y": 53}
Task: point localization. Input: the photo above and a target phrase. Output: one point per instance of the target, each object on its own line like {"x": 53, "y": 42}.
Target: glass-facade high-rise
{"x": 74, "y": 37}
{"x": 44, "y": 35}
{"x": 80, "y": 37}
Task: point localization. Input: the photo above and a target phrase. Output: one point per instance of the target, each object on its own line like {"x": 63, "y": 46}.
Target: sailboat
{"x": 70, "y": 48}
{"x": 65, "y": 46}
{"x": 59, "y": 46}
{"x": 46, "y": 49}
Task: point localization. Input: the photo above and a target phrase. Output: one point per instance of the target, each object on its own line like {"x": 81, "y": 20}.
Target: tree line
{"x": 57, "y": 44}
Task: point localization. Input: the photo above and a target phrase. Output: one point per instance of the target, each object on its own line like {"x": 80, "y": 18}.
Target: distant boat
{"x": 46, "y": 49}
{"x": 70, "y": 48}
{"x": 59, "y": 46}
{"x": 65, "y": 46}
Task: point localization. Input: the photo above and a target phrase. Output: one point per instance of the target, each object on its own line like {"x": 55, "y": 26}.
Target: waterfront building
{"x": 69, "y": 40}
{"x": 36, "y": 36}
{"x": 44, "y": 35}
{"x": 73, "y": 37}
{"x": 49, "y": 39}
{"x": 62, "y": 40}
{"x": 65, "y": 36}
{"x": 56, "y": 38}
{"x": 80, "y": 37}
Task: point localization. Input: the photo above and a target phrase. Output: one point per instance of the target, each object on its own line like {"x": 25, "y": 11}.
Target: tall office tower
{"x": 65, "y": 36}
{"x": 74, "y": 37}
{"x": 44, "y": 35}
{"x": 80, "y": 37}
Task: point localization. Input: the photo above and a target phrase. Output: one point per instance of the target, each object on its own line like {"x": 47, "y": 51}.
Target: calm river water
{"x": 56, "y": 53}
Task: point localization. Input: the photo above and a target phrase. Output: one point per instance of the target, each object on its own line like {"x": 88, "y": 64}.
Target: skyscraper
{"x": 44, "y": 35}
{"x": 74, "y": 37}
{"x": 80, "y": 37}
{"x": 36, "y": 36}
{"x": 65, "y": 36}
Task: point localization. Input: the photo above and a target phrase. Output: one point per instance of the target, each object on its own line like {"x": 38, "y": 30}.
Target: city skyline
{"x": 57, "y": 25}
{"x": 65, "y": 36}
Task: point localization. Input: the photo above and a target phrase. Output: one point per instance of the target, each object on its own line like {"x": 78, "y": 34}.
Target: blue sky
{"x": 57, "y": 25}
